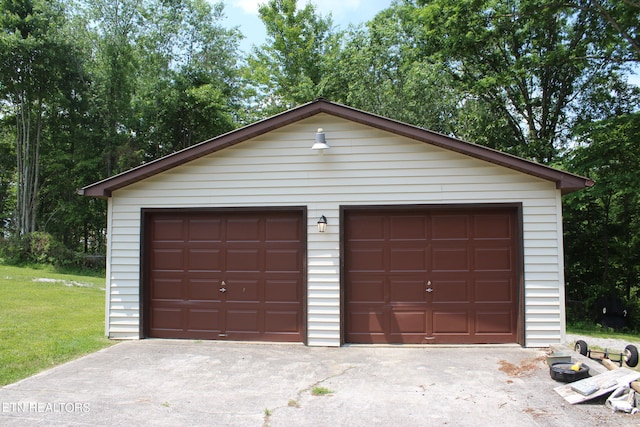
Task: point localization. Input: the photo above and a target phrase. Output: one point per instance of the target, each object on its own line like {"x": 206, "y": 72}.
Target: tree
{"x": 290, "y": 68}
{"x": 525, "y": 61}
{"x": 112, "y": 27}
{"x": 619, "y": 20}
{"x": 155, "y": 77}
{"x": 189, "y": 87}
{"x": 7, "y": 170}
{"x": 380, "y": 70}
{"x": 34, "y": 60}
{"x": 602, "y": 224}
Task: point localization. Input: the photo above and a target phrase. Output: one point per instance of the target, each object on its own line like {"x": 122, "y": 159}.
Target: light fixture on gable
{"x": 321, "y": 142}
{"x": 322, "y": 224}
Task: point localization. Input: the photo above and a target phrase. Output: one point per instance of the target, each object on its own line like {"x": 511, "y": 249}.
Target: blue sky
{"x": 244, "y": 14}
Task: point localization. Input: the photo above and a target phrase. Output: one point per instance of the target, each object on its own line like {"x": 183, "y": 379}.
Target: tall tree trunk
{"x": 29, "y": 130}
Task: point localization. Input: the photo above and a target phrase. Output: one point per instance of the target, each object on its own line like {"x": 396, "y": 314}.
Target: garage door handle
{"x": 223, "y": 290}
{"x": 429, "y": 290}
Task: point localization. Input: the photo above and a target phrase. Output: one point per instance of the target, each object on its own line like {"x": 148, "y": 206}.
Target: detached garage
{"x": 327, "y": 225}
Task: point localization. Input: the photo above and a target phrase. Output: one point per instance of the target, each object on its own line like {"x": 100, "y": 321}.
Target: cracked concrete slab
{"x": 174, "y": 383}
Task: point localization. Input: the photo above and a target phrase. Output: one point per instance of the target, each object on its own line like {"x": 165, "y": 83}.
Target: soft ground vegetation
{"x": 47, "y": 318}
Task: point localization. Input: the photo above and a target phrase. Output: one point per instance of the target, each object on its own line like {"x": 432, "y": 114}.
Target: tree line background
{"x": 91, "y": 88}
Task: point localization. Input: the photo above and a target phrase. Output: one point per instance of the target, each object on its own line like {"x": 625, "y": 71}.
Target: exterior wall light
{"x": 322, "y": 224}
{"x": 321, "y": 142}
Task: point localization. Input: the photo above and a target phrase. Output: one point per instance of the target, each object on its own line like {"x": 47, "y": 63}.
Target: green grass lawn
{"x": 47, "y": 318}
{"x": 603, "y": 333}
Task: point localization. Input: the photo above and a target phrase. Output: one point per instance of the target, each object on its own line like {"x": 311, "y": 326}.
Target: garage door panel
{"x": 367, "y": 228}
{"x": 407, "y": 259}
{"x": 281, "y": 321}
{"x": 282, "y": 260}
{"x": 410, "y": 291}
{"x": 283, "y": 230}
{"x": 225, "y": 275}
{"x": 449, "y": 259}
{"x": 208, "y": 320}
{"x": 493, "y": 259}
{"x": 366, "y": 321}
{"x": 366, "y": 259}
{"x": 407, "y": 228}
{"x": 204, "y": 260}
{"x": 168, "y": 229}
{"x": 449, "y": 227}
{"x": 282, "y": 290}
{"x": 494, "y": 322}
{"x": 493, "y": 227}
{"x": 450, "y": 322}
{"x": 451, "y": 291}
{"x": 368, "y": 290}
{"x": 242, "y": 290}
{"x": 243, "y": 230}
{"x": 407, "y": 322}
{"x": 431, "y": 276}
{"x": 168, "y": 259}
{"x": 167, "y": 318}
{"x": 167, "y": 289}
{"x": 242, "y": 321}
{"x": 205, "y": 229}
{"x": 245, "y": 260}
{"x": 203, "y": 290}
{"x": 494, "y": 290}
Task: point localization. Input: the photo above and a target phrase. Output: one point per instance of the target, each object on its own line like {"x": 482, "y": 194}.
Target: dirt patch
{"x": 536, "y": 413}
{"x": 64, "y": 282}
{"x": 525, "y": 368}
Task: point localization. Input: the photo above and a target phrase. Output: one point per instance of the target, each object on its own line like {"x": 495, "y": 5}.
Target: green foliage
{"x": 524, "y": 61}
{"x": 618, "y": 24}
{"x": 37, "y": 248}
{"x": 132, "y": 81}
{"x": 189, "y": 85}
{"x": 35, "y": 63}
{"x": 290, "y": 69}
{"x": 380, "y": 70}
{"x": 602, "y": 224}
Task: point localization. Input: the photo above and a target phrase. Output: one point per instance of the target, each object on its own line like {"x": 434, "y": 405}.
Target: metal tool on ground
{"x": 629, "y": 356}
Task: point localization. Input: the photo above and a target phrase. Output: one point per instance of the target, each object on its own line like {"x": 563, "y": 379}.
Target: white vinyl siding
{"x": 364, "y": 166}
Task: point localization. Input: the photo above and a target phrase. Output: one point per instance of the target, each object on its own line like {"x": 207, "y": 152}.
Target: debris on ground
{"x": 526, "y": 367}
{"x": 618, "y": 383}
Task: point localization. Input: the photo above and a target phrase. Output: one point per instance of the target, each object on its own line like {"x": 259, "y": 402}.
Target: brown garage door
{"x": 438, "y": 276}
{"x": 229, "y": 275}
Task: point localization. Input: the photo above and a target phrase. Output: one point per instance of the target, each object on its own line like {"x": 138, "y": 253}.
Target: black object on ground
{"x": 562, "y": 372}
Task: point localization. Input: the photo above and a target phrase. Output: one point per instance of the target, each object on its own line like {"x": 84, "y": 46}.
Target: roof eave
{"x": 565, "y": 181}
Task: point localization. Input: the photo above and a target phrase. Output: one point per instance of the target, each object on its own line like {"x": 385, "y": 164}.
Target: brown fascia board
{"x": 565, "y": 181}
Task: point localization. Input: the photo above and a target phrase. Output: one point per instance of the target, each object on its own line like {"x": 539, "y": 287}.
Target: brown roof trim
{"x": 565, "y": 181}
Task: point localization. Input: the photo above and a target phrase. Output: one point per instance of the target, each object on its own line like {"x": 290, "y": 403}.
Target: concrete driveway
{"x": 177, "y": 383}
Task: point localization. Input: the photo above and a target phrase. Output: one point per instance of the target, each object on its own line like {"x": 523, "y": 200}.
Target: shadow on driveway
{"x": 166, "y": 382}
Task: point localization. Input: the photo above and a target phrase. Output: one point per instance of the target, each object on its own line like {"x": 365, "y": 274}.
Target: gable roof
{"x": 565, "y": 181}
